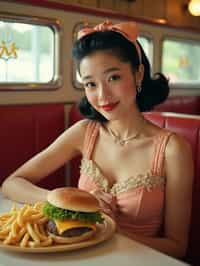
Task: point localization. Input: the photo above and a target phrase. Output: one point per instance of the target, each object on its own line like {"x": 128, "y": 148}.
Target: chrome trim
{"x": 186, "y": 85}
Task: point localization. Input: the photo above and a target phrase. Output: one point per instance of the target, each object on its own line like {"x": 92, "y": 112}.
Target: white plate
{"x": 104, "y": 232}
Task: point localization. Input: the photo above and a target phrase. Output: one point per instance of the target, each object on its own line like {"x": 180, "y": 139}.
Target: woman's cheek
{"x": 128, "y": 90}
{"x": 92, "y": 99}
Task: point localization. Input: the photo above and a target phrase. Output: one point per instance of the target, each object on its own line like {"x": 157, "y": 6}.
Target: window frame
{"x": 55, "y": 25}
{"x": 147, "y": 35}
{"x": 178, "y": 85}
{"x": 76, "y": 85}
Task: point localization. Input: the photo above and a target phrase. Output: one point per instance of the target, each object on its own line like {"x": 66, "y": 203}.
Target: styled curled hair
{"x": 154, "y": 89}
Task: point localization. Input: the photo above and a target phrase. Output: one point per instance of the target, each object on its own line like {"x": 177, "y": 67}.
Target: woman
{"x": 141, "y": 174}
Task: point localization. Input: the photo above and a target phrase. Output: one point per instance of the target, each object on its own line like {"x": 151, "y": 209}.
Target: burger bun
{"x": 73, "y": 199}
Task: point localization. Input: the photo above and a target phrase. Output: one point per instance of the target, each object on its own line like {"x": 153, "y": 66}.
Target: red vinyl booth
{"x": 25, "y": 131}
{"x": 180, "y": 104}
{"x": 187, "y": 126}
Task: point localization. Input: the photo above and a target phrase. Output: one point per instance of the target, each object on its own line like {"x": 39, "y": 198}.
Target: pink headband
{"x": 128, "y": 29}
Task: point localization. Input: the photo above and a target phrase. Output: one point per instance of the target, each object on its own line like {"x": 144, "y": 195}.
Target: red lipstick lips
{"x": 109, "y": 107}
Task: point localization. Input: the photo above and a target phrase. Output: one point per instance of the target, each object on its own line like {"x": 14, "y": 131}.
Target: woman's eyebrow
{"x": 86, "y": 77}
{"x": 111, "y": 70}
{"x": 105, "y": 72}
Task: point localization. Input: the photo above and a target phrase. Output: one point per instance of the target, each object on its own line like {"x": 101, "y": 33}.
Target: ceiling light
{"x": 194, "y": 7}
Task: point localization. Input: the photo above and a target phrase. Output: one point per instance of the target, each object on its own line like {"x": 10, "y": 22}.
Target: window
{"x": 27, "y": 53}
{"x": 147, "y": 45}
{"x": 181, "y": 62}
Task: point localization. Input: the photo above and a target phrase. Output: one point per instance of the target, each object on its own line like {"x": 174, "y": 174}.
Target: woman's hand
{"x": 107, "y": 202}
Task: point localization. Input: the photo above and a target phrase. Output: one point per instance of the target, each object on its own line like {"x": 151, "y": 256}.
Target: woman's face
{"x": 110, "y": 84}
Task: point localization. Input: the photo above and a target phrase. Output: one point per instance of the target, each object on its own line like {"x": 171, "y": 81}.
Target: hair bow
{"x": 128, "y": 29}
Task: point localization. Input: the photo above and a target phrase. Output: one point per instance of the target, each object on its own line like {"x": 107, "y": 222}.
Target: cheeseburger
{"x": 72, "y": 213}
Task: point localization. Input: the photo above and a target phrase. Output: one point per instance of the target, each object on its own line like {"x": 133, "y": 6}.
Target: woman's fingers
{"x": 107, "y": 201}
{"x": 108, "y": 198}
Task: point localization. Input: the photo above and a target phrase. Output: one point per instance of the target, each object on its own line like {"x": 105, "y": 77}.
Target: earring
{"x": 139, "y": 88}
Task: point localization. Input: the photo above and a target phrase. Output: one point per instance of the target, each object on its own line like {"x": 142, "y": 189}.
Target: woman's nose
{"x": 103, "y": 92}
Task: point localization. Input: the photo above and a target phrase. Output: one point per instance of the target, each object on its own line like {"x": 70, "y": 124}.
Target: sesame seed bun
{"x": 73, "y": 199}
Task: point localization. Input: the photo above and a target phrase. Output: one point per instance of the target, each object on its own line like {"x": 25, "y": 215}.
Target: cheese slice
{"x": 62, "y": 226}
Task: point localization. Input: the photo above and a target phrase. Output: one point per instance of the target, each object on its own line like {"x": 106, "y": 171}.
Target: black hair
{"x": 154, "y": 90}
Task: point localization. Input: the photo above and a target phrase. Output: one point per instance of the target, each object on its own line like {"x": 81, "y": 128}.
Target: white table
{"x": 118, "y": 251}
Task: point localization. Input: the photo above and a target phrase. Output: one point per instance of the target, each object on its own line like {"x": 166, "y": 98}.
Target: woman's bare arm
{"x": 178, "y": 200}
{"x": 20, "y": 185}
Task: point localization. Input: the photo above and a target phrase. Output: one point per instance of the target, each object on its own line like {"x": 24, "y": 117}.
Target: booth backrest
{"x": 25, "y": 131}
{"x": 180, "y": 104}
{"x": 188, "y": 127}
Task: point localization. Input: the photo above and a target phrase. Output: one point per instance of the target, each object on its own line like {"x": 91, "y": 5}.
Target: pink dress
{"x": 140, "y": 199}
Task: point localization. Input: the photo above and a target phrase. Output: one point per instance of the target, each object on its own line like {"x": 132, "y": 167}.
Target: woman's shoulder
{"x": 179, "y": 164}
{"x": 79, "y": 130}
{"x": 177, "y": 144}
{"x": 82, "y": 125}
{"x": 173, "y": 145}
{"x": 174, "y": 141}
{"x": 178, "y": 154}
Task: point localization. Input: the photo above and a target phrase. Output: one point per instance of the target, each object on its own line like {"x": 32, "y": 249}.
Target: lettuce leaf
{"x": 56, "y": 213}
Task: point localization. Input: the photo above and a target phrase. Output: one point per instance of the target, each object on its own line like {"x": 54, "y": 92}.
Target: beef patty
{"x": 51, "y": 228}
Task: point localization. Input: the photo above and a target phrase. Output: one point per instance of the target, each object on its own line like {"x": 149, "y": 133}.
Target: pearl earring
{"x": 139, "y": 88}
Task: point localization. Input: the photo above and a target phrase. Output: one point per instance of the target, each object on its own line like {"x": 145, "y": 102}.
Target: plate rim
{"x": 108, "y": 230}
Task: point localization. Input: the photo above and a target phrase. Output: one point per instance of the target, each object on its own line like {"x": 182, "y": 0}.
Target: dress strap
{"x": 159, "y": 153}
{"x": 91, "y": 133}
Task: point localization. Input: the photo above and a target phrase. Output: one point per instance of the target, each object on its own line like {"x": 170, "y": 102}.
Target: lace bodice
{"x": 149, "y": 181}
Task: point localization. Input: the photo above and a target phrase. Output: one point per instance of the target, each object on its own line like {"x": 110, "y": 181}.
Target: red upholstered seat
{"x": 187, "y": 126}
{"x": 26, "y": 130}
{"x": 180, "y": 104}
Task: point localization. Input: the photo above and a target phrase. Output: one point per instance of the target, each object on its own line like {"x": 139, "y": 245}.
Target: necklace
{"x": 122, "y": 142}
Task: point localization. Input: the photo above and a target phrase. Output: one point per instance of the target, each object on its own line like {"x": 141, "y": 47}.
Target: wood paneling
{"x": 172, "y": 11}
{"x": 106, "y": 4}
{"x": 135, "y": 8}
{"x": 177, "y": 14}
{"x": 155, "y": 9}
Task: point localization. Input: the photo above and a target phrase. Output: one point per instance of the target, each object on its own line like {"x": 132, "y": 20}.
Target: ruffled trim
{"x": 148, "y": 181}
{"x": 89, "y": 169}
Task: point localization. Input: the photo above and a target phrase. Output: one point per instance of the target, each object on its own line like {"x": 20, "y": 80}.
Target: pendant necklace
{"x": 122, "y": 142}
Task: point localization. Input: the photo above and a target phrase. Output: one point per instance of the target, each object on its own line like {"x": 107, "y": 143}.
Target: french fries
{"x": 25, "y": 227}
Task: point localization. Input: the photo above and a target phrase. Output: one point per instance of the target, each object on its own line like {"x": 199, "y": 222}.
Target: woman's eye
{"x": 114, "y": 77}
{"x": 90, "y": 85}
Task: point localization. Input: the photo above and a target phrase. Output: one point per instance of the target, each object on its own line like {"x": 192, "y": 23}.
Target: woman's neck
{"x": 128, "y": 126}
